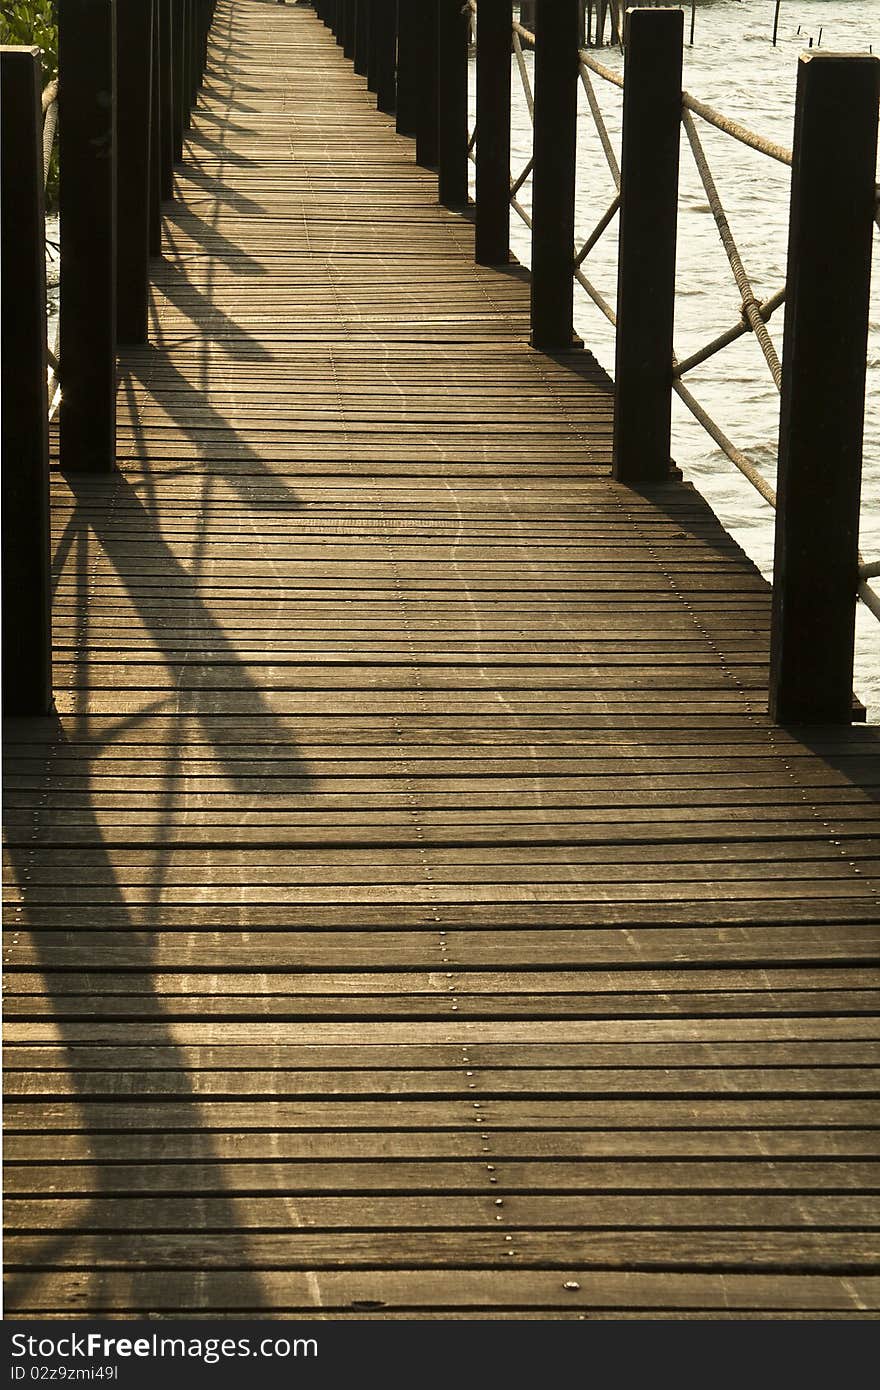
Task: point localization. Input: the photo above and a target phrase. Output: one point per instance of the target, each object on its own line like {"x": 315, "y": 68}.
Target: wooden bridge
{"x": 412, "y": 910}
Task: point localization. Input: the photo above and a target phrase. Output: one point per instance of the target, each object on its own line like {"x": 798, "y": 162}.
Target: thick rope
{"x": 750, "y": 305}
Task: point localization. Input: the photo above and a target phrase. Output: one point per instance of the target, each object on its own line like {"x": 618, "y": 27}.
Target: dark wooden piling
{"x": 178, "y": 62}
{"x": 408, "y": 26}
{"x": 194, "y": 53}
{"x": 155, "y": 136}
{"x": 362, "y": 37}
{"x": 24, "y": 432}
{"x": 134, "y": 30}
{"x": 349, "y": 23}
{"x": 492, "y": 243}
{"x": 376, "y": 16}
{"x": 384, "y": 51}
{"x": 555, "y": 149}
{"x": 427, "y": 132}
{"x": 823, "y": 389}
{"x": 453, "y": 24}
{"x": 646, "y": 259}
{"x": 87, "y": 133}
{"x": 186, "y": 63}
{"x": 166, "y": 97}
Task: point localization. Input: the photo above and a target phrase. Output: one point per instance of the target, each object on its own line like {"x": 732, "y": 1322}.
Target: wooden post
{"x": 87, "y": 132}
{"x": 408, "y": 30}
{"x": 385, "y": 23}
{"x": 452, "y": 102}
{"x": 134, "y": 29}
{"x": 178, "y": 64}
{"x": 194, "y": 53}
{"x": 776, "y": 22}
{"x": 207, "y": 18}
{"x": 24, "y": 430}
{"x": 155, "y": 137}
{"x": 492, "y": 244}
{"x": 427, "y": 135}
{"x": 186, "y": 63}
{"x": 616, "y": 24}
{"x": 373, "y": 45}
{"x": 362, "y": 38}
{"x": 823, "y": 389}
{"x": 555, "y": 151}
{"x": 349, "y": 20}
{"x": 166, "y": 97}
{"x": 646, "y": 258}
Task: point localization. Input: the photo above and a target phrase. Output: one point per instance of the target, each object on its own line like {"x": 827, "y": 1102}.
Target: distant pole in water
{"x": 819, "y": 39}
{"x": 693, "y": 19}
{"x": 776, "y": 22}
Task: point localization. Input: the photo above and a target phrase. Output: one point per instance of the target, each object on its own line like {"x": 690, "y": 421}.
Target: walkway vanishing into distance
{"x": 411, "y": 909}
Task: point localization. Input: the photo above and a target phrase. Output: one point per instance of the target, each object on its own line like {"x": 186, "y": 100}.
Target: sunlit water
{"x": 734, "y": 67}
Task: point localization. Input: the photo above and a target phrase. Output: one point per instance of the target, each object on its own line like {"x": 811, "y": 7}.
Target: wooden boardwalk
{"x": 411, "y": 910}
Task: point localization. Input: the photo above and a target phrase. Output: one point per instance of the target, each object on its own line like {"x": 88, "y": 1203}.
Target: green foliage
{"x": 32, "y": 22}
{"x": 35, "y": 22}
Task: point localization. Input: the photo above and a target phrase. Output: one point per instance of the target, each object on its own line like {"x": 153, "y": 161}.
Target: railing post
{"x": 426, "y": 86}
{"x": 362, "y": 38}
{"x": 178, "y": 67}
{"x": 408, "y": 27}
{"x": 186, "y": 63}
{"x": 207, "y": 17}
{"x": 384, "y": 54}
{"x": 194, "y": 53}
{"x": 555, "y": 152}
{"x": 492, "y": 243}
{"x": 155, "y": 223}
{"x": 453, "y": 24}
{"x": 823, "y": 389}
{"x": 87, "y": 133}
{"x": 646, "y": 258}
{"x": 349, "y": 20}
{"x": 24, "y": 430}
{"x": 134, "y": 31}
{"x": 166, "y": 98}
{"x": 373, "y": 45}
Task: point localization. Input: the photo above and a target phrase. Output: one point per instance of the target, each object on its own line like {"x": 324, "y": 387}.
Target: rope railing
{"x": 755, "y": 313}
{"x": 636, "y": 331}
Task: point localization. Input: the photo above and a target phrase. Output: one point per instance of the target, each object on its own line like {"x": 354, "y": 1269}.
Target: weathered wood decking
{"x": 411, "y": 910}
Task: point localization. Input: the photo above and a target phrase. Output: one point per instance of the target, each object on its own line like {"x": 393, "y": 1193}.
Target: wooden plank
{"x": 450, "y": 1290}
{"x": 412, "y": 1114}
{"x": 529, "y": 1213}
{"x": 446, "y": 1177}
{"x": 740, "y": 1251}
{"x": 218, "y": 1146}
